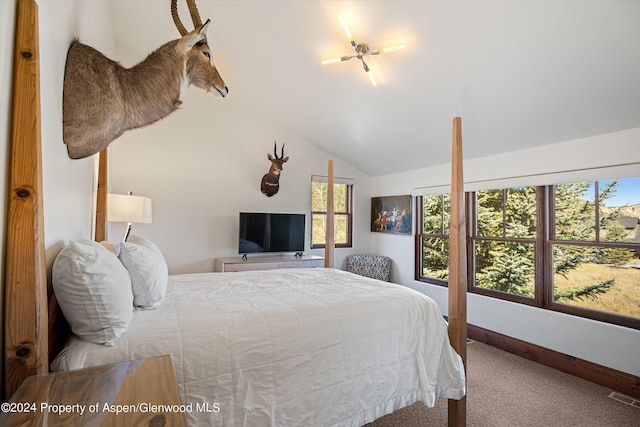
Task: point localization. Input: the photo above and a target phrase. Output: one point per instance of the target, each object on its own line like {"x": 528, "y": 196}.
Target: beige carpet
{"x": 507, "y": 390}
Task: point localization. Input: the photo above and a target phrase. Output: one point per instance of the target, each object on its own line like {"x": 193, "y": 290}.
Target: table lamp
{"x": 128, "y": 208}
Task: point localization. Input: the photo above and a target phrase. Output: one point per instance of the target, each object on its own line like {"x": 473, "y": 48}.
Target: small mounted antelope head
{"x": 102, "y": 99}
{"x": 270, "y": 182}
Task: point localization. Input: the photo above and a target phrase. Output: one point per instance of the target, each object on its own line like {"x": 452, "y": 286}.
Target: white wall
{"x": 203, "y": 164}
{"x": 68, "y": 184}
{"x": 601, "y": 343}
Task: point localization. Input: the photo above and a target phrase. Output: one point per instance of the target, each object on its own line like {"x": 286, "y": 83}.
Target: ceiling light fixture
{"x": 362, "y": 50}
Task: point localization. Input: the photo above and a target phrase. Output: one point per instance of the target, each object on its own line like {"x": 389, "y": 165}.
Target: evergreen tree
{"x": 510, "y": 266}
{"x": 512, "y": 270}
{"x": 618, "y": 257}
{"x": 589, "y": 291}
{"x": 436, "y": 250}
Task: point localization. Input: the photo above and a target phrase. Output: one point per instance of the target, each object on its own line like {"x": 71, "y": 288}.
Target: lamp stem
{"x": 129, "y": 225}
{"x": 127, "y": 232}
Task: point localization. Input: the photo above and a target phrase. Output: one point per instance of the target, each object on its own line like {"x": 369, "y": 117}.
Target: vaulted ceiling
{"x": 519, "y": 73}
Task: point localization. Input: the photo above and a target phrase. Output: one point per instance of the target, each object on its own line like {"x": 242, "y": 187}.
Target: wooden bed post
{"x": 457, "y": 270}
{"x": 101, "y": 197}
{"x": 329, "y": 234}
{"x": 26, "y": 279}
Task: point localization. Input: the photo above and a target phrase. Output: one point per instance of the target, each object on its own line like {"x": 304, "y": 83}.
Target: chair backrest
{"x": 374, "y": 266}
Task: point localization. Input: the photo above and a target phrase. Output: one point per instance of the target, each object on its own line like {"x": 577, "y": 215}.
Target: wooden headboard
{"x": 34, "y": 326}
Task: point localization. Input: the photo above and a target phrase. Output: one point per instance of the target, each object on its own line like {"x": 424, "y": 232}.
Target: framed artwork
{"x": 391, "y": 214}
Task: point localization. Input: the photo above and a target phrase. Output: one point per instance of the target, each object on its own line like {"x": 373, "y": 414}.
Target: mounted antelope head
{"x": 270, "y": 182}
{"x": 102, "y": 99}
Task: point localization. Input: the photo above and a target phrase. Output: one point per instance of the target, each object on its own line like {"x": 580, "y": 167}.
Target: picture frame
{"x": 392, "y": 214}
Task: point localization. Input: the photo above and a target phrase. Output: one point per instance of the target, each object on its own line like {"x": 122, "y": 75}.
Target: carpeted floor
{"x": 507, "y": 390}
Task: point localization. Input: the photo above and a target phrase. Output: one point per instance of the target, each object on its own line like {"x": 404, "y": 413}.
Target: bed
{"x": 295, "y": 346}
{"x": 306, "y": 373}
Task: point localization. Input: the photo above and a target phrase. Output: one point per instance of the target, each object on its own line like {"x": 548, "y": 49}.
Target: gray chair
{"x": 374, "y": 266}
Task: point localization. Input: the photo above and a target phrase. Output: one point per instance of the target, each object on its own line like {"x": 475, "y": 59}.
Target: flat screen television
{"x": 270, "y": 232}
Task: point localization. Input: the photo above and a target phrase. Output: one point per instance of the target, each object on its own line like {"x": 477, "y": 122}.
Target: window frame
{"x": 544, "y": 242}
{"x": 348, "y": 214}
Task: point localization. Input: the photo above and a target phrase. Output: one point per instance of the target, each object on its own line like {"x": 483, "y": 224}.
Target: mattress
{"x": 290, "y": 347}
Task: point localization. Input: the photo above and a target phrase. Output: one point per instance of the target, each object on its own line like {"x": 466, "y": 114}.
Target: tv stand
{"x": 267, "y": 262}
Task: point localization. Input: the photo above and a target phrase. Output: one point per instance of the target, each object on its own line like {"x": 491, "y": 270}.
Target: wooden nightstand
{"x": 134, "y": 393}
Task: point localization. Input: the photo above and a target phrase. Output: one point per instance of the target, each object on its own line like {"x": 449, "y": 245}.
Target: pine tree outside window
{"x": 505, "y": 241}
{"x": 572, "y": 247}
{"x": 595, "y": 247}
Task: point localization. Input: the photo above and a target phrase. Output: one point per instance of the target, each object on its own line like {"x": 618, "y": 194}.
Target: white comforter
{"x": 293, "y": 347}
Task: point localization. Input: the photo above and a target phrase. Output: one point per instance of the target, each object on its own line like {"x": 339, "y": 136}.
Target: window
{"x": 435, "y": 240}
{"x": 594, "y": 247}
{"x": 505, "y": 240}
{"x": 571, "y": 247}
{"x": 342, "y": 212}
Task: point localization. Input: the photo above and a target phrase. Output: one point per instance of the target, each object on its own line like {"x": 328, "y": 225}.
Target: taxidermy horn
{"x": 271, "y": 181}
{"x": 102, "y": 99}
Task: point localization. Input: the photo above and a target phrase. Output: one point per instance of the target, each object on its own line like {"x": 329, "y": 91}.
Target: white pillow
{"x": 148, "y": 270}
{"x": 94, "y": 291}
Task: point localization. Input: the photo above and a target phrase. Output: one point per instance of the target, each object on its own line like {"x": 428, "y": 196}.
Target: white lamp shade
{"x": 128, "y": 208}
